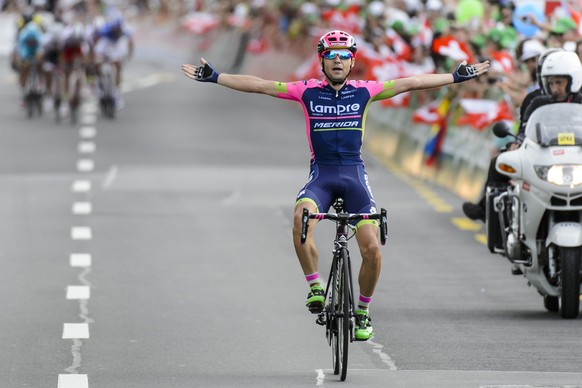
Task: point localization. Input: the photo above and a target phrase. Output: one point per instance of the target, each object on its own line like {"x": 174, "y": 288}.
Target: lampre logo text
{"x": 334, "y": 109}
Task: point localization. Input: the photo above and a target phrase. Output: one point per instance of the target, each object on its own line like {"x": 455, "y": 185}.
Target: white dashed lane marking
{"x": 87, "y": 132}
{"x": 75, "y": 331}
{"x": 89, "y": 119}
{"x": 82, "y": 208}
{"x": 73, "y": 381}
{"x": 86, "y": 147}
{"x": 85, "y": 165}
{"x": 81, "y": 233}
{"x": 81, "y": 186}
{"x": 80, "y": 260}
{"x": 80, "y": 331}
{"x": 78, "y": 292}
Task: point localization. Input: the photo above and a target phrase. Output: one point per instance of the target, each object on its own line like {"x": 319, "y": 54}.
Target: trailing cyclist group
{"x": 65, "y": 54}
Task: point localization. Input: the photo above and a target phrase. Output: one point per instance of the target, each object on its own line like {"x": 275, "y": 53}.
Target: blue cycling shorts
{"x": 326, "y": 183}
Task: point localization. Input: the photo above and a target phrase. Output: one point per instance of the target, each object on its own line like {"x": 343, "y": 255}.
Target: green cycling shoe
{"x": 364, "y": 330}
{"x": 315, "y": 299}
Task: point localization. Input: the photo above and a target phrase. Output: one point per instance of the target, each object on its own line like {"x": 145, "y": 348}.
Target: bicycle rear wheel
{"x": 342, "y": 318}
{"x": 108, "y": 107}
{"x": 29, "y": 101}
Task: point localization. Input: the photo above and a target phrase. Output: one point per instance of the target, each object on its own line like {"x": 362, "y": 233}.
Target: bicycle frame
{"x": 108, "y": 88}
{"x": 341, "y": 256}
{"x": 57, "y": 89}
{"x": 34, "y": 89}
{"x": 76, "y": 79}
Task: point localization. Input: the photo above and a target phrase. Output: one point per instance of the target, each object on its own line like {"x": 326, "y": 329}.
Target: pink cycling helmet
{"x": 336, "y": 39}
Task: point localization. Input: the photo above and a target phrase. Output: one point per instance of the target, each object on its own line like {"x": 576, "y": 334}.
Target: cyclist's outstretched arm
{"x": 242, "y": 83}
{"x": 463, "y": 73}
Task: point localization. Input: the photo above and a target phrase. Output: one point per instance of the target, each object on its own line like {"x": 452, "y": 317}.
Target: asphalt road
{"x": 155, "y": 251}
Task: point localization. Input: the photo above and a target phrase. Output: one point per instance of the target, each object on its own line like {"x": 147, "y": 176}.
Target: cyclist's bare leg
{"x": 307, "y": 253}
{"x": 66, "y": 82}
{"x": 48, "y": 76}
{"x": 367, "y": 237}
{"x": 24, "y": 68}
{"x": 117, "y": 66}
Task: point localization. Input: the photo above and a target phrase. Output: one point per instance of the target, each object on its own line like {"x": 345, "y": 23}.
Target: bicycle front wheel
{"x": 344, "y": 315}
{"x": 333, "y": 316}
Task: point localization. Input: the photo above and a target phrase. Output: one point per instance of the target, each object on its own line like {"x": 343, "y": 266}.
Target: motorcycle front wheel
{"x": 570, "y": 282}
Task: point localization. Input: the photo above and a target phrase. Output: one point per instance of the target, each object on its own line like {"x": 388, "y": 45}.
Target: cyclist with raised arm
{"x": 335, "y": 111}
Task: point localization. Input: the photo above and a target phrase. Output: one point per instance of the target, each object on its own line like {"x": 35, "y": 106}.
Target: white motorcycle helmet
{"x": 562, "y": 63}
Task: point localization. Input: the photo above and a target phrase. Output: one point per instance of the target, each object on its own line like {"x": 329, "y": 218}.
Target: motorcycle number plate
{"x": 566, "y": 138}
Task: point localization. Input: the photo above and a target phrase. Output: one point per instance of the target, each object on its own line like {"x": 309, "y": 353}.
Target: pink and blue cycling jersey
{"x": 335, "y": 120}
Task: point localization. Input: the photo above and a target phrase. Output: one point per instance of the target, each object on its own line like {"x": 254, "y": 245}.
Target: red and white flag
{"x": 427, "y": 114}
{"x": 448, "y": 46}
{"x": 200, "y": 23}
{"x": 483, "y": 113}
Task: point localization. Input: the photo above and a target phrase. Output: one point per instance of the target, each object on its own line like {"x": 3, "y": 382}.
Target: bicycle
{"x": 34, "y": 90}
{"x": 58, "y": 90}
{"x": 107, "y": 101}
{"x": 338, "y": 312}
{"x": 76, "y": 82}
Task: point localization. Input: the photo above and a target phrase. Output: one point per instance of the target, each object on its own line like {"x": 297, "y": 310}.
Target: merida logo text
{"x": 337, "y": 124}
{"x": 334, "y": 109}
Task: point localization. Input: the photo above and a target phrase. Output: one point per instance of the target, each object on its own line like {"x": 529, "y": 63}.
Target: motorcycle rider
{"x": 476, "y": 211}
{"x": 561, "y": 82}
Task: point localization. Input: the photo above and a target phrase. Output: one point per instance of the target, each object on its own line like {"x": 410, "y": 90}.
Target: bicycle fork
{"x": 330, "y": 308}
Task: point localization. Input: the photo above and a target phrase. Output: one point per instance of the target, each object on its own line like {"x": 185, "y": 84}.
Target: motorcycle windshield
{"x": 557, "y": 124}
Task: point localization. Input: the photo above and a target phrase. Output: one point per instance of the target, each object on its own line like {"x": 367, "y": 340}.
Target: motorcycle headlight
{"x": 561, "y": 175}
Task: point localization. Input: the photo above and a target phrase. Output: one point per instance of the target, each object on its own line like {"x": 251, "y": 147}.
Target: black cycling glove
{"x": 464, "y": 73}
{"x": 207, "y": 73}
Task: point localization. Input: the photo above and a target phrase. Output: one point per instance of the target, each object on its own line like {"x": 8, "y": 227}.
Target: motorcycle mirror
{"x": 501, "y": 129}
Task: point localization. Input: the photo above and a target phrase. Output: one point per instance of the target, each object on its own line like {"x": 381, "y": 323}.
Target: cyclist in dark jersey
{"x": 335, "y": 111}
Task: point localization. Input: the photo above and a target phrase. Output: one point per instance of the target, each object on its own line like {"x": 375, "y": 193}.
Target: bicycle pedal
{"x": 315, "y": 308}
{"x": 320, "y": 320}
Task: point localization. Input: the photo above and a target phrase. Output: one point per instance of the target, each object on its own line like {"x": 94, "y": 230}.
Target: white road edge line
{"x": 147, "y": 81}
{"x": 383, "y": 356}
{"x": 320, "y": 377}
{"x": 111, "y": 175}
{"x": 231, "y": 198}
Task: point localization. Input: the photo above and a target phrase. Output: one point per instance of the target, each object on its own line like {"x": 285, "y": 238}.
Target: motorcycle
{"x": 535, "y": 220}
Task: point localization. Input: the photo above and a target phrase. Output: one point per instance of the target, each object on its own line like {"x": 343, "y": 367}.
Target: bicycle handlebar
{"x": 345, "y": 217}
